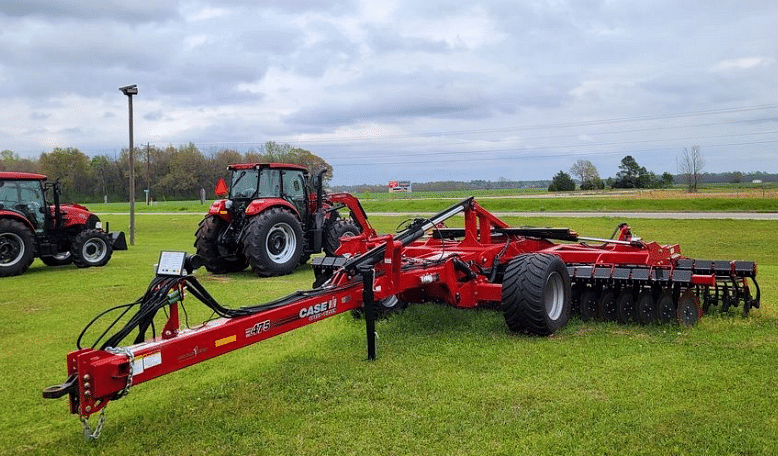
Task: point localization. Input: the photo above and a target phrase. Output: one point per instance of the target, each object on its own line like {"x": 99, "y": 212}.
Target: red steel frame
{"x": 430, "y": 268}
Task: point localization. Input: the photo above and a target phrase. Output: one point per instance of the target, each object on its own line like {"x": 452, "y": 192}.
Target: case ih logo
{"x": 321, "y": 310}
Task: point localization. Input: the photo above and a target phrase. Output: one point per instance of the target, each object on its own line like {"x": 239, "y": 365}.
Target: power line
{"x": 545, "y": 156}
{"x": 557, "y": 146}
{"x": 558, "y": 125}
{"x": 532, "y": 127}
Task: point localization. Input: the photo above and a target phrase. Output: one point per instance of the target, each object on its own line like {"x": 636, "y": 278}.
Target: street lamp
{"x": 131, "y": 90}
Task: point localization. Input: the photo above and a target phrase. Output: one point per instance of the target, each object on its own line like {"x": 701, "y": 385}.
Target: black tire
{"x": 91, "y": 248}
{"x": 335, "y": 231}
{"x": 626, "y": 307}
{"x": 217, "y": 258}
{"x": 665, "y": 307}
{"x": 646, "y": 308}
{"x": 274, "y": 243}
{"x": 589, "y": 304}
{"x": 536, "y": 294}
{"x": 17, "y": 247}
{"x": 607, "y": 310}
{"x": 60, "y": 259}
{"x": 383, "y": 308}
{"x": 689, "y": 310}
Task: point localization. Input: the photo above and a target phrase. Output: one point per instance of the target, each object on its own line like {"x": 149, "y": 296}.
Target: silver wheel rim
{"x": 554, "y": 295}
{"x": 11, "y": 249}
{"x": 94, "y": 250}
{"x": 389, "y": 302}
{"x": 281, "y": 243}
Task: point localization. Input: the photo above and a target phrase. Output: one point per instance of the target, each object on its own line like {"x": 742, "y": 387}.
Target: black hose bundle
{"x": 161, "y": 293}
{"x": 155, "y": 299}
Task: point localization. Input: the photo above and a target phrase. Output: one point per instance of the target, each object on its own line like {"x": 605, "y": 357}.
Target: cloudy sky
{"x": 401, "y": 89}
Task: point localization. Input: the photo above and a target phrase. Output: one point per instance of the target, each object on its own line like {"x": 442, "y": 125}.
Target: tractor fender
{"x": 219, "y": 209}
{"x": 260, "y": 205}
{"x": 17, "y": 216}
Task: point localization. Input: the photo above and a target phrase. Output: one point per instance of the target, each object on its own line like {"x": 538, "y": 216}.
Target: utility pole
{"x": 131, "y": 90}
{"x": 148, "y": 173}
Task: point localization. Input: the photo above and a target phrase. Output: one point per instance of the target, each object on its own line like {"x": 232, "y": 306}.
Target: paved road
{"x": 657, "y": 215}
{"x": 621, "y": 215}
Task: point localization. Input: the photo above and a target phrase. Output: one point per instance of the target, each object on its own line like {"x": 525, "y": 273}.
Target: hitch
{"x": 69, "y": 386}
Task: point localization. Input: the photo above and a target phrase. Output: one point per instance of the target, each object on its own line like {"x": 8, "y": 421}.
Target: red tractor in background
{"x": 59, "y": 234}
{"x": 274, "y": 218}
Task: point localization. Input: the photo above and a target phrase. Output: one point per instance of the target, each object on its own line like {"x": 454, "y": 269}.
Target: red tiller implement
{"x": 535, "y": 281}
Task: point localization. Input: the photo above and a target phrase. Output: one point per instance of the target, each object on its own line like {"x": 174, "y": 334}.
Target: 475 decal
{"x": 258, "y": 328}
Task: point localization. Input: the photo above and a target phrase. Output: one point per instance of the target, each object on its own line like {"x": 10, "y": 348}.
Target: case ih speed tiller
{"x": 535, "y": 281}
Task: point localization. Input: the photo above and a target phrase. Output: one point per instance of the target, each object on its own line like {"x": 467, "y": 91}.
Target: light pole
{"x": 131, "y": 90}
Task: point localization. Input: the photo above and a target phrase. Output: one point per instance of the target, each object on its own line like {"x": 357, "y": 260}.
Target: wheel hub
{"x": 554, "y": 296}
{"x": 94, "y": 250}
{"x": 281, "y": 243}
{"x": 11, "y": 248}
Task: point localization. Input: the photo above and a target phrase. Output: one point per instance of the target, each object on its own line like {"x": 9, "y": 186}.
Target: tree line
{"x": 179, "y": 173}
{"x": 170, "y": 173}
{"x": 691, "y": 174}
{"x": 630, "y": 175}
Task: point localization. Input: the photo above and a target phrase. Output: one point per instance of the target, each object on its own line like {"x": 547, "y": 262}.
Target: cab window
{"x": 294, "y": 185}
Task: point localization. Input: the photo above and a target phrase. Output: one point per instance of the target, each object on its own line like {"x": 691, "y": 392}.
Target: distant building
{"x": 399, "y": 186}
{"x": 756, "y": 181}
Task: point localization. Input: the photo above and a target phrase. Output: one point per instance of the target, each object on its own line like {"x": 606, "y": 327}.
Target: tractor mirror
{"x": 221, "y": 188}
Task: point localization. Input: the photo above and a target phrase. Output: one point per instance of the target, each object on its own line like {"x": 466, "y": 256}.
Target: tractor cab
{"x": 253, "y": 184}
{"x": 24, "y": 194}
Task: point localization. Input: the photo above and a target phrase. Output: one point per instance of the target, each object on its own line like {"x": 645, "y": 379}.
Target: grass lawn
{"x": 446, "y": 381}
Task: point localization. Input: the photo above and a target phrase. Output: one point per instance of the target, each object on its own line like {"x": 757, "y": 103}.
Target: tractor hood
{"x": 73, "y": 214}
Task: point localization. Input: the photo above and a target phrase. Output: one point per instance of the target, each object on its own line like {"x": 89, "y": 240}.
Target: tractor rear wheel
{"x": 335, "y": 231}
{"x": 17, "y": 246}
{"x": 274, "y": 244}
{"x": 536, "y": 294}
{"x": 91, "y": 248}
{"x": 217, "y": 258}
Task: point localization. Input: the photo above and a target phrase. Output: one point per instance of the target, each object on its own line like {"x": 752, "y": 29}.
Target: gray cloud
{"x": 90, "y": 10}
{"x": 521, "y": 89}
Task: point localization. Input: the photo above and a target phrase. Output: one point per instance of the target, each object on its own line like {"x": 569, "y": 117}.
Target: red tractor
{"x": 59, "y": 234}
{"x": 274, "y": 217}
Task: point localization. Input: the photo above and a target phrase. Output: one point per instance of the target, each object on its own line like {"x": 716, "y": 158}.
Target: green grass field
{"x": 446, "y": 381}
{"x": 710, "y": 199}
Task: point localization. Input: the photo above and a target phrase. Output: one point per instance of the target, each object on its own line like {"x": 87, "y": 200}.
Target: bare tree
{"x": 690, "y": 166}
{"x": 587, "y": 174}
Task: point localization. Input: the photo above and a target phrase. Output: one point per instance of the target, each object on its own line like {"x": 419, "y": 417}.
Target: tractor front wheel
{"x": 536, "y": 294}
{"x": 335, "y": 231}
{"x": 218, "y": 258}
{"x": 274, "y": 244}
{"x": 91, "y": 248}
{"x": 17, "y": 246}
